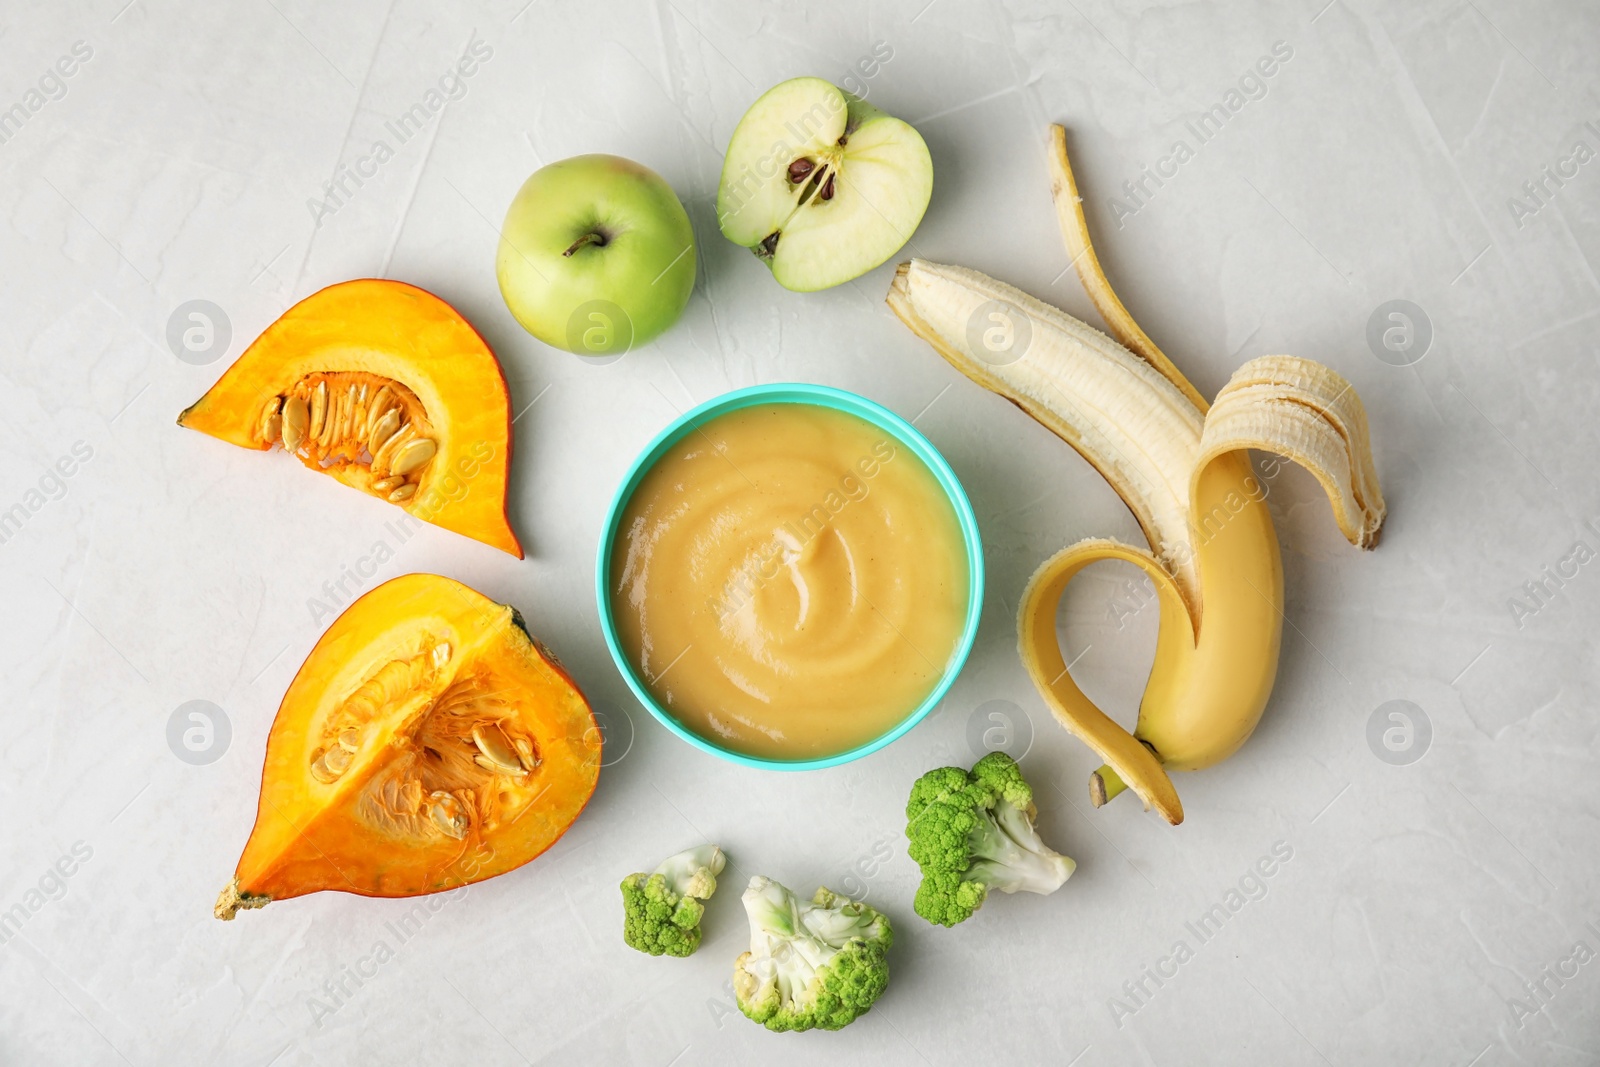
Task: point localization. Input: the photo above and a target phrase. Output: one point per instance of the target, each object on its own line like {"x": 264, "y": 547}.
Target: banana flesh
{"x": 1135, "y": 426}
{"x": 1185, "y": 474}
{"x": 1309, "y": 414}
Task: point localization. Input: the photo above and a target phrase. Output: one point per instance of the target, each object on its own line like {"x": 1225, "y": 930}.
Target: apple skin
{"x": 620, "y": 290}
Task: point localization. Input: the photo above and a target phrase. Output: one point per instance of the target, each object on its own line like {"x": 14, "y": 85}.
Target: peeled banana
{"x": 1183, "y": 468}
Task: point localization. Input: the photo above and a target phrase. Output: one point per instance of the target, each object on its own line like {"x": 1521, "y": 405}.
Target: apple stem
{"x": 593, "y": 237}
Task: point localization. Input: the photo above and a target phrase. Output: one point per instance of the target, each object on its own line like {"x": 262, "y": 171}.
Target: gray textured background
{"x": 1442, "y": 912}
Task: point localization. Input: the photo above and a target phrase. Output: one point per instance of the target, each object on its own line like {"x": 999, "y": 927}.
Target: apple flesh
{"x": 821, "y": 185}
{"x": 596, "y": 255}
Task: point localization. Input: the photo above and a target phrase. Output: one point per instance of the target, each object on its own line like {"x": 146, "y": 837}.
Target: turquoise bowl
{"x": 820, "y": 396}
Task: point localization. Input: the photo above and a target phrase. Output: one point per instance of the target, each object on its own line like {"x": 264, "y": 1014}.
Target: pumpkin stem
{"x": 230, "y": 901}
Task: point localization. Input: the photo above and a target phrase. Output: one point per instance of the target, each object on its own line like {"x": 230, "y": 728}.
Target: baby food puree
{"x": 790, "y": 581}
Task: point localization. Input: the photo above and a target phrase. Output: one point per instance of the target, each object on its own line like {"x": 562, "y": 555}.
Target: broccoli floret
{"x": 810, "y": 965}
{"x": 971, "y": 832}
{"x": 662, "y": 910}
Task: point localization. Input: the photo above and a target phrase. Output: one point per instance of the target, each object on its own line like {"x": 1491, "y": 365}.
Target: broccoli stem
{"x": 693, "y": 872}
{"x": 773, "y": 910}
{"x": 1011, "y": 856}
{"x": 778, "y": 935}
{"x": 838, "y": 921}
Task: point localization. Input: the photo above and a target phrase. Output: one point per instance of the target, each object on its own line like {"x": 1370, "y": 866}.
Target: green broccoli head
{"x": 972, "y": 831}
{"x": 816, "y": 965}
{"x": 1000, "y": 773}
{"x": 662, "y": 910}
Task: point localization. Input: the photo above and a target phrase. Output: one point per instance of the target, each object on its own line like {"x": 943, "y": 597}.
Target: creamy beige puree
{"x": 790, "y": 580}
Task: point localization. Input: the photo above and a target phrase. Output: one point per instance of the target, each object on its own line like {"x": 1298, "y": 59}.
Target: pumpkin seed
{"x": 330, "y": 423}
{"x": 496, "y": 748}
{"x": 339, "y": 425}
{"x": 448, "y": 814}
{"x": 272, "y": 420}
{"x": 378, "y": 408}
{"x": 525, "y": 754}
{"x": 347, "y": 411}
{"x": 350, "y": 738}
{"x": 413, "y": 455}
{"x": 319, "y": 412}
{"x": 402, "y": 493}
{"x": 358, "y": 412}
{"x": 295, "y": 423}
{"x": 382, "y": 454}
{"x": 383, "y": 485}
{"x": 337, "y": 759}
{"x": 383, "y": 428}
{"x": 322, "y": 772}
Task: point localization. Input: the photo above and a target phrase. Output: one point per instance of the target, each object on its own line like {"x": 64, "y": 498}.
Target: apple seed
{"x": 799, "y": 169}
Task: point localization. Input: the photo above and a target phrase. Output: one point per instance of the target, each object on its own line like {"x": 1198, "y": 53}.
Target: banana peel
{"x": 1182, "y": 466}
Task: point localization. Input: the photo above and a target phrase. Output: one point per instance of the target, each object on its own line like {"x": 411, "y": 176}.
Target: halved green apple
{"x": 821, "y": 185}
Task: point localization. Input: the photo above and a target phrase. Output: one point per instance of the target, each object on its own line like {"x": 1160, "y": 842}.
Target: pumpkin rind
{"x": 399, "y": 332}
{"x": 311, "y": 835}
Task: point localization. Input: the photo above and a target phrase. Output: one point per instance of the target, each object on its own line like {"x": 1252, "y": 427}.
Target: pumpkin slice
{"x": 427, "y": 742}
{"x": 388, "y": 389}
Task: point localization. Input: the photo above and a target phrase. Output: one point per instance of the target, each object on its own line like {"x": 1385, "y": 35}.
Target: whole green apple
{"x": 596, "y": 255}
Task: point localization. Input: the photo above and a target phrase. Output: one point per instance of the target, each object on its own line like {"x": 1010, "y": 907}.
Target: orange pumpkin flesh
{"x": 427, "y": 742}
{"x": 371, "y": 347}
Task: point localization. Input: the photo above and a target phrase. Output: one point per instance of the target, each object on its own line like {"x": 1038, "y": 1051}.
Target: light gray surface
{"x": 1380, "y": 164}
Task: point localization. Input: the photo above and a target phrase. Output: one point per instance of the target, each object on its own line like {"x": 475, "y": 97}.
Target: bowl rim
{"x": 837, "y": 400}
